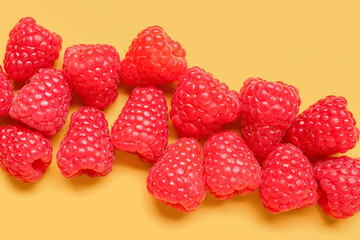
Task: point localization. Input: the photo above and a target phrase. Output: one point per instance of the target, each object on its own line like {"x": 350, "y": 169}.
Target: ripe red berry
{"x": 176, "y": 179}
{"x": 43, "y": 103}
{"x": 202, "y": 104}
{"x": 267, "y": 111}
{"x": 93, "y": 71}
{"x": 142, "y": 126}
{"x": 339, "y": 186}
{"x": 6, "y": 93}
{"x": 87, "y": 148}
{"x": 288, "y": 181}
{"x": 153, "y": 59}
{"x": 230, "y": 168}
{"x": 30, "y": 47}
{"x": 325, "y": 128}
{"x": 24, "y": 154}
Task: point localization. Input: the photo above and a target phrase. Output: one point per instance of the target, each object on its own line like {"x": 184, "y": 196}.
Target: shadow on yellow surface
{"x": 169, "y": 212}
{"x": 131, "y": 160}
{"x": 82, "y": 182}
{"x": 22, "y": 186}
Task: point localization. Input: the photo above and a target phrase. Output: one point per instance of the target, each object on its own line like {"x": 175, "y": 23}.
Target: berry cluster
{"x": 287, "y": 156}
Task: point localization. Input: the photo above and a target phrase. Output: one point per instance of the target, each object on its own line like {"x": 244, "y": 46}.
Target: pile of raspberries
{"x": 288, "y": 156}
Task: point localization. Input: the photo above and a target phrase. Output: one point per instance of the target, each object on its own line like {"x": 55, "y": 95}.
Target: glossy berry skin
{"x": 142, "y": 126}
{"x": 30, "y": 47}
{"x": 202, "y": 104}
{"x": 6, "y": 93}
{"x": 339, "y": 186}
{"x": 176, "y": 179}
{"x": 24, "y": 154}
{"x": 93, "y": 72}
{"x": 288, "y": 181}
{"x": 325, "y": 128}
{"x": 267, "y": 111}
{"x": 153, "y": 59}
{"x": 230, "y": 168}
{"x": 43, "y": 103}
{"x": 87, "y": 148}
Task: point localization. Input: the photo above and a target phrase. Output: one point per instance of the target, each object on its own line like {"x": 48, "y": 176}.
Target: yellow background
{"x": 314, "y": 45}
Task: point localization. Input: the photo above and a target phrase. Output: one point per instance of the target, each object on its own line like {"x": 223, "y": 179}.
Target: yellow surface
{"x": 314, "y": 45}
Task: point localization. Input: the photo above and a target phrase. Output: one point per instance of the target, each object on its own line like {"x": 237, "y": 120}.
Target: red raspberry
{"x": 44, "y": 102}
{"x": 142, "y": 126}
{"x": 6, "y": 93}
{"x": 287, "y": 180}
{"x": 87, "y": 148}
{"x": 24, "y": 154}
{"x": 176, "y": 179}
{"x": 93, "y": 72}
{"x": 325, "y": 128}
{"x": 230, "y": 168}
{"x": 339, "y": 186}
{"x": 153, "y": 59}
{"x": 267, "y": 111}
{"x": 201, "y": 104}
{"x": 30, "y": 47}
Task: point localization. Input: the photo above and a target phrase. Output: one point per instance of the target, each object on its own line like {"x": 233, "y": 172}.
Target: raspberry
{"x": 325, "y": 128}
{"x": 142, "y": 126}
{"x": 153, "y": 59}
{"x": 6, "y": 93}
{"x": 93, "y": 72}
{"x": 267, "y": 111}
{"x": 24, "y": 154}
{"x": 201, "y": 104}
{"x": 339, "y": 186}
{"x": 30, "y": 47}
{"x": 230, "y": 168}
{"x": 288, "y": 181}
{"x": 87, "y": 148}
{"x": 176, "y": 179}
{"x": 44, "y": 102}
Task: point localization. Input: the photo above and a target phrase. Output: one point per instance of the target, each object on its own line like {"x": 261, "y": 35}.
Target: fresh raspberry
{"x": 288, "y": 181}
{"x": 142, "y": 126}
{"x": 6, "y": 93}
{"x": 30, "y": 47}
{"x": 87, "y": 148}
{"x": 93, "y": 72}
{"x": 176, "y": 179}
{"x": 325, "y": 128}
{"x": 153, "y": 59}
{"x": 43, "y": 103}
{"x": 267, "y": 111}
{"x": 230, "y": 168}
{"x": 201, "y": 104}
{"x": 339, "y": 186}
{"x": 24, "y": 154}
